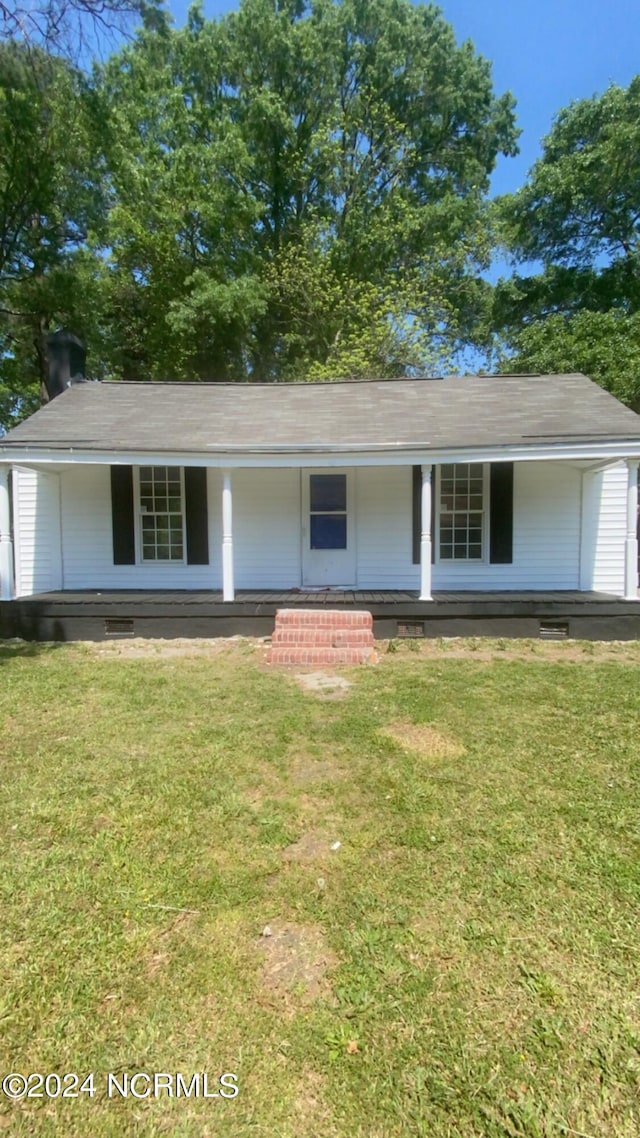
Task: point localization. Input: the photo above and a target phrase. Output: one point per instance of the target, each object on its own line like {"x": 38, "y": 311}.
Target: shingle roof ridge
{"x": 282, "y": 384}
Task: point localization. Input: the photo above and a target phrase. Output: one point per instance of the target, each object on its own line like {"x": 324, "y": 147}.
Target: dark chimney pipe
{"x": 66, "y": 356}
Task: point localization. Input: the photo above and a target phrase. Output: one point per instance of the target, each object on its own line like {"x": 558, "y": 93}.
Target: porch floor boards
{"x": 330, "y": 598}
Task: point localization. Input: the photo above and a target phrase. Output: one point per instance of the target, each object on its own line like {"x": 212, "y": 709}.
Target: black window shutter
{"x": 124, "y": 543}
{"x": 417, "y": 513}
{"x": 501, "y": 513}
{"x": 197, "y": 515}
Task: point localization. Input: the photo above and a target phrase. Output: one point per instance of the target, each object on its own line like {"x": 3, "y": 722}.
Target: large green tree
{"x": 578, "y": 218}
{"x": 51, "y": 208}
{"x": 299, "y": 189}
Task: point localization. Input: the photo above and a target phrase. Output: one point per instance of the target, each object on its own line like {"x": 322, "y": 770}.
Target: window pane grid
{"x": 161, "y": 514}
{"x": 461, "y": 512}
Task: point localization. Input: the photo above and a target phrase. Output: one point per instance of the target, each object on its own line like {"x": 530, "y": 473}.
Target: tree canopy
{"x": 297, "y": 174}
{"x": 297, "y": 190}
{"x": 51, "y": 208}
{"x": 578, "y": 216}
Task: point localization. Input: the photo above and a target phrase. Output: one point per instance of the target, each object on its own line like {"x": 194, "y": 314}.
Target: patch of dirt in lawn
{"x": 294, "y": 791}
{"x": 311, "y": 847}
{"x": 487, "y": 649}
{"x": 139, "y": 647}
{"x": 424, "y": 739}
{"x": 307, "y": 769}
{"x": 326, "y": 685}
{"x": 101, "y": 822}
{"x": 296, "y": 961}
{"x": 156, "y": 964}
{"x": 269, "y": 788}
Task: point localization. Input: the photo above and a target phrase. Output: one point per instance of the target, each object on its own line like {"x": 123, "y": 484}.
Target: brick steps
{"x": 310, "y": 637}
{"x": 323, "y": 618}
{"x": 330, "y": 637}
{"x": 333, "y": 656}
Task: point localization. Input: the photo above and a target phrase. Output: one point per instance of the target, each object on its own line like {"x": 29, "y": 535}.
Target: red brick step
{"x": 322, "y": 636}
{"x": 324, "y": 618}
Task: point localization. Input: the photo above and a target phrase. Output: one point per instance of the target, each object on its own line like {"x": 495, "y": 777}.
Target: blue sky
{"x": 547, "y": 52}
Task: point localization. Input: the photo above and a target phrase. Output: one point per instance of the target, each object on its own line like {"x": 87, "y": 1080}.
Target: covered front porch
{"x": 425, "y": 530}
{"x": 100, "y": 615}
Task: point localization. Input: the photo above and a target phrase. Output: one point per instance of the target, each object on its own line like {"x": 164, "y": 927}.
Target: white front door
{"x": 328, "y": 528}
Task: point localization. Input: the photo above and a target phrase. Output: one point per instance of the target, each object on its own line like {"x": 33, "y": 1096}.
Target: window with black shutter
{"x": 463, "y": 495}
{"x": 170, "y": 507}
{"x": 501, "y": 513}
{"x": 122, "y": 516}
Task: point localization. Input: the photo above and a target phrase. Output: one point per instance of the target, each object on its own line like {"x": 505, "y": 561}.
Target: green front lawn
{"x": 466, "y": 963}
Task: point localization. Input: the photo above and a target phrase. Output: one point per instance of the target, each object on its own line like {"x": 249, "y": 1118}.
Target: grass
{"x": 465, "y": 964}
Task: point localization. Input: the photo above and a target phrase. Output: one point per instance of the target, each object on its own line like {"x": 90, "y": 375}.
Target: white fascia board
{"x": 599, "y": 465}
{"x": 385, "y": 455}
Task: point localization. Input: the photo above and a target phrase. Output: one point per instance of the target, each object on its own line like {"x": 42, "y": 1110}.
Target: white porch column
{"x": 6, "y": 544}
{"x": 631, "y": 544}
{"x": 228, "y": 591}
{"x": 425, "y": 535}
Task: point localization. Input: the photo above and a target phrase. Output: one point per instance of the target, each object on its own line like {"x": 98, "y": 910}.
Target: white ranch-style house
{"x": 453, "y": 487}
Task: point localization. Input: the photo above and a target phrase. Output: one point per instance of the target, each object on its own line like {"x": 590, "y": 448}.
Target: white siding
{"x": 552, "y": 548}
{"x": 546, "y": 537}
{"x": 384, "y": 528}
{"x": 36, "y": 526}
{"x": 266, "y": 534}
{"x": 88, "y": 541}
{"x": 604, "y": 497}
{"x": 266, "y": 528}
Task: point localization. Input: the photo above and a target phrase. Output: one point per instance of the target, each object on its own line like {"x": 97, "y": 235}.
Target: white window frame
{"x": 170, "y": 562}
{"x": 484, "y": 559}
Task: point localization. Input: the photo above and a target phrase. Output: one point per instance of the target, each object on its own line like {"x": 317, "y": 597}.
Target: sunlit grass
{"x": 467, "y": 959}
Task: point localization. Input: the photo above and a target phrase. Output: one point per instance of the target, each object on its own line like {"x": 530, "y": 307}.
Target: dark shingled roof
{"x": 473, "y": 411}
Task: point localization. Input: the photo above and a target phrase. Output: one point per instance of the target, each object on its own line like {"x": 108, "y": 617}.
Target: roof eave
{"x": 391, "y": 453}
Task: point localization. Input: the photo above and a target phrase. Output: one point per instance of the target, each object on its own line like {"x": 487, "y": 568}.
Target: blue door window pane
{"x": 328, "y": 531}
{"x": 327, "y": 492}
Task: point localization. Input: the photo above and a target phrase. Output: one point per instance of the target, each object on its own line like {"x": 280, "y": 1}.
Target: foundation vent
{"x": 554, "y": 629}
{"x": 118, "y": 626}
{"x": 410, "y": 630}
